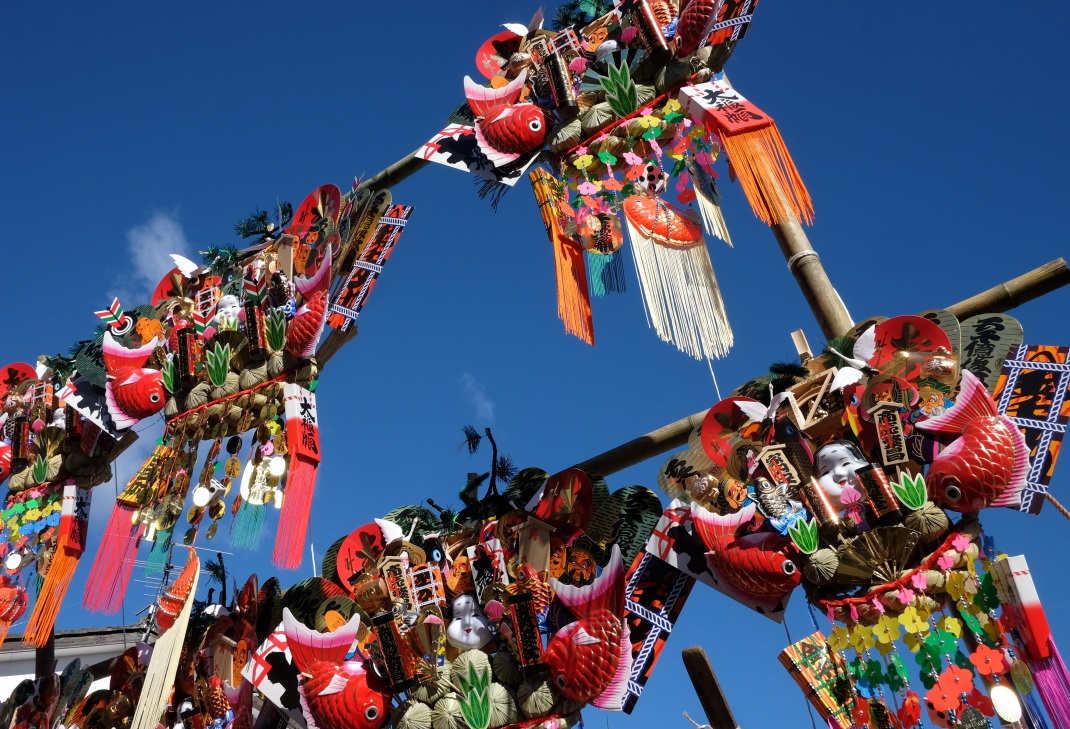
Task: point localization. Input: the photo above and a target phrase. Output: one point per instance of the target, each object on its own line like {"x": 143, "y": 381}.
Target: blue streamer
{"x": 606, "y": 273}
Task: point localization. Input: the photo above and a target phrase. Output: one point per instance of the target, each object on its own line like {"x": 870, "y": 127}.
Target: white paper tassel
{"x": 160, "y": 675}
{"x": 708, "y": 200}
{"x": 712, "y": 219}
{"x": 681, "y": 296}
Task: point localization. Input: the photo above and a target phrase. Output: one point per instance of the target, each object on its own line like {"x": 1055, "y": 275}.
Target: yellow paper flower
{"x": 885, "y": 648}
{"x": 649, "y": 122}
{"x": 583, "y": 161}
{"x": 912, "y": 621}
{"x": 913, "y": 642}
{"x": 838, "y": 639}
{"x": 862, "y": 638}
{"x": 671, "y": 106}
{"x": 951, "y": 625}
{"x": 886, "y": 630}
{"x": 955, "y": 585}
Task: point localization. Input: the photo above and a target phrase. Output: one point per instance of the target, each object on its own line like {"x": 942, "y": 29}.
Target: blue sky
{"x": 931, "y": 141}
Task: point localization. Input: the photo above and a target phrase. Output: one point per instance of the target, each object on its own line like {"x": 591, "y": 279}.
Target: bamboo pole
{"x": 713, "y": 700}
{"x": 1015, "y": 292}
{"x": 1026, "y": 287}
{"x": 805, "y": 266}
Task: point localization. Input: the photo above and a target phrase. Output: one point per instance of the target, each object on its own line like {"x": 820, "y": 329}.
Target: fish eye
{"x": 371, "y": 713}
{"x": 535, "y": 125}
{"x": 788, "y": 567}
{"x": 154, "y": 397}
{"x": 952, "y": 492}
{"x": 561, "y": 682}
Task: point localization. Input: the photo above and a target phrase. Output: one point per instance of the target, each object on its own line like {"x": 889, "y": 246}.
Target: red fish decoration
{"x": 303, "y": 333}
{"x": 757, "y": 568}
{"x": 505, "y": 128}
{"x": 133, "y": 393}
{"x": 590, "y": 659}
{"x": 336, "y": 694}
{"x": 988, "y": 464}
{"x": 172, "y": 600}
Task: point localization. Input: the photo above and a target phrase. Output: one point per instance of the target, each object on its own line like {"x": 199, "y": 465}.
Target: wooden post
{"x": 708, "y": 689}
{"x": 45, "y": 657}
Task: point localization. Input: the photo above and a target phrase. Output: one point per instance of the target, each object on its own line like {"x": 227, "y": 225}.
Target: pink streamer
{"x": 1053, "y": 685}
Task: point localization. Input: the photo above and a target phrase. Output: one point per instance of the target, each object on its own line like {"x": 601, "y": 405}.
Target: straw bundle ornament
{"x": 502, "y": 706}
{"x": 535, "y": 697}
{"x": 412, "y": 715}
{"x": 447, "y": 713}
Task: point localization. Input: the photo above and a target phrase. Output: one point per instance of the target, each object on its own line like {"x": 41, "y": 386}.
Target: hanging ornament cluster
{"x": 632, "y": 109}
{"x": 860, "y": 477}
{"x": 225, "y": 351}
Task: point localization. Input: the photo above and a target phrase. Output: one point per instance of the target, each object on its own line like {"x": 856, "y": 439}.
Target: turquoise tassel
{"x": 248, "y": 526}
{"x": 161, "y": 548}
{"x": 606, "y": 272}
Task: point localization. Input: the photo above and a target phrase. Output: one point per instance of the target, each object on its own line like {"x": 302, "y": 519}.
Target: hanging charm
{"x": 679, "y": 288}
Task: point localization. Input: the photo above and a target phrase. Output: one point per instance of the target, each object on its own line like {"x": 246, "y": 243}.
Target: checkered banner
{"x": 654, "y": 596}
{"x": 1032, "y": 391}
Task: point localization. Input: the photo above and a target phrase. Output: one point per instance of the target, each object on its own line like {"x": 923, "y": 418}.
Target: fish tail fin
{"x": 612, "y": 699}
{"x": 484, "y": 101}
{"x": 116, "y": 356}
{"x": 973, "y": 402}
{"x": 1012, "y": 496}
{"x": 308, "y": 646}
{"x": 607, "y": 590}
{"x": 118, "y": 416}
{"x": 712, "y": 527}
{"x": 320, "y": 280}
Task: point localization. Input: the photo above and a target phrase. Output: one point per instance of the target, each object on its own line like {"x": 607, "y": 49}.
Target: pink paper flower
{"x": 905, "y": 595}
{"x": 945, "y": 562}
{"x": 587, "y": 188}
{"x": 919, "y": 581}
{"x": 878, "y": 605}
{"x": 961, "y": 542}
{"x": 632, "y": 158}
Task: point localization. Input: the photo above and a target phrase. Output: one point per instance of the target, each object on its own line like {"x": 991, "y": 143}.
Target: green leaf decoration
{"x": 911, "y": 491}
{"x": 804, "y": 535}
{"x": 607, "y": 157}
{"x": 986, "y": 598}
{"x": 620, "y": 89}
{"x": 167, "y": 372}
{"x": 896, "y": 677}
{"x": 961, "y": 660}
{"x": 40, "y": 469}
{"x": 475, "y": 698}
{"x": 673, "y": 116}
{"x": 874, "y": 672}
{"x": 219, "y": 364}
{"x": 275, "y": 329}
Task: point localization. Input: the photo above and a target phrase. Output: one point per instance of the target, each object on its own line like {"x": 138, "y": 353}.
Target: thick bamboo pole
{"x": 1015, "y": 292}
{"x": 805, "y": 266}
{"x": 1006, "y": 296}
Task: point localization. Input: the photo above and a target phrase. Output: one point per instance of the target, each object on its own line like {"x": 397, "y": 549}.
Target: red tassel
{"x": 296, "y": 508}
{"x": 303, "y": 443}
{"x": 106, "y": 585}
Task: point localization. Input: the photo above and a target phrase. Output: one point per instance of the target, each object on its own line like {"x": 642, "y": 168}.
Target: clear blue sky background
{"x": 931, "y": 138}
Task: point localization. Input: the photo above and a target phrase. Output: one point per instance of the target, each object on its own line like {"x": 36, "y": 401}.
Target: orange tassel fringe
{"x": 573, "y": 297}
{"x": 49, "y": 599}
{"x": 768, "y": 175}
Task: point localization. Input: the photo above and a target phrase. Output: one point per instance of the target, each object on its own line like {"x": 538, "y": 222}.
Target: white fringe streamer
{"x": 680, "y": 294}
{"x": 160, "y": 675}
{"x": 712, "y": 219}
